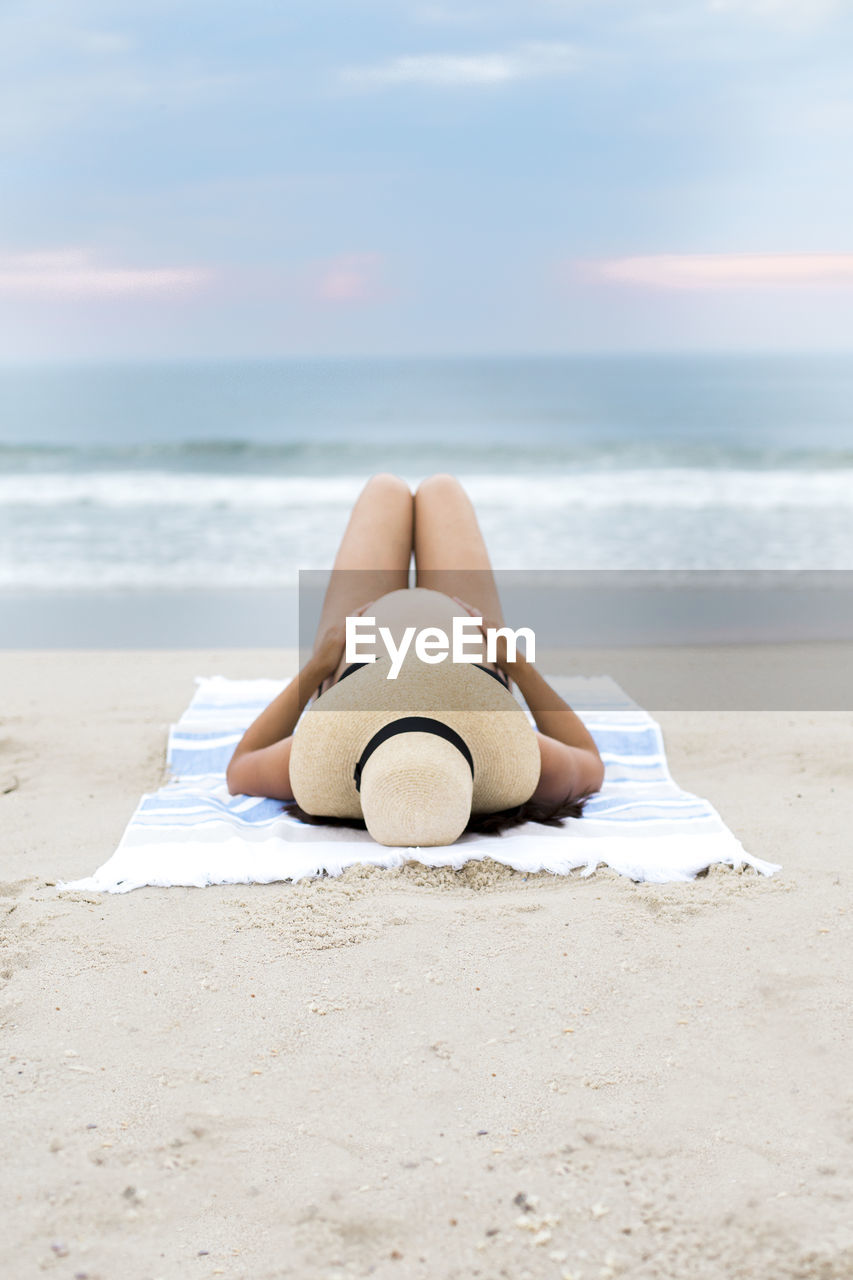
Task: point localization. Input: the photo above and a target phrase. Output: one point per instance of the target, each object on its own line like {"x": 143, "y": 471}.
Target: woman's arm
{"x": 260, "y": 765}
{"x": 571, "y": 764}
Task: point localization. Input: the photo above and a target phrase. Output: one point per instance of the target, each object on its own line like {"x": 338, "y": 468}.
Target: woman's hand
{"x": 329, "y": 648}
{"x": 486, "y": 625}
{"x": 571, "y": 763}
{"x": 469, "y": 608}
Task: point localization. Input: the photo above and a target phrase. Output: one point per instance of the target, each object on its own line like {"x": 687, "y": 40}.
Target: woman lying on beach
{"x": 415, "y": 748}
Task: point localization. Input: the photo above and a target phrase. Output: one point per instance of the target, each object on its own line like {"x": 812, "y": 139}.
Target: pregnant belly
{"x": 419, "y": 608}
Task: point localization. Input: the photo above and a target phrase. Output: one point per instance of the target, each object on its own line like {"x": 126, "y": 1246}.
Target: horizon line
{"x": 141, "y": 361}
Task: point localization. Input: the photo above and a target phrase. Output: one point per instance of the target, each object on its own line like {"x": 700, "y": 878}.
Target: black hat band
{"x": 412, "y": 724}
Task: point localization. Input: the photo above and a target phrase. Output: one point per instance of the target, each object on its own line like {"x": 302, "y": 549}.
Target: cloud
{"x": 348, "y": 278}
{"x": 795, "y": 11}
{"x": 527, "y": 61}
{"x": 101, "y": 42}
{"x": 721, "y": 270}
{"x": 57, "y": 76}
{"x": 72, "y": 273}
{"x": 70, "y": 102}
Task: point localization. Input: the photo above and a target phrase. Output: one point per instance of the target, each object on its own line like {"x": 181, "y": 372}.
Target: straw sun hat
{"x": 415, "y": 756}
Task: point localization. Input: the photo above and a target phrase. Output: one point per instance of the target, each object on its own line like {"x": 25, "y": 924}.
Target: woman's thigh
{"x": 374, "y": 553}
{"x": 450, "y": 551}
{"x": 375, "y": 550}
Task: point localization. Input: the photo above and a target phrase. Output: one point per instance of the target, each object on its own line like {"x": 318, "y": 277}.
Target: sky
{"x": 207, "y": 180}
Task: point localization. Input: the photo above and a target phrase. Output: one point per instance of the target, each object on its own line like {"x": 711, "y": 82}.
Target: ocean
{"x": 231, "y": 477}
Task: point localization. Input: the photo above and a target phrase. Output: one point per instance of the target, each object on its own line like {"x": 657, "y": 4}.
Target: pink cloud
{"x": 721, "y": 270}
{"x": 349, "y": 277}
{"x": 72, "y": 273}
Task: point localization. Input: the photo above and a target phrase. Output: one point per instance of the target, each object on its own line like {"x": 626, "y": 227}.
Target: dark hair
{"x": 490, "y": 824}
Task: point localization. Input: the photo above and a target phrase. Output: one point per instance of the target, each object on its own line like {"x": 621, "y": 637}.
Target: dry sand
{"x": 418, "y": 1073}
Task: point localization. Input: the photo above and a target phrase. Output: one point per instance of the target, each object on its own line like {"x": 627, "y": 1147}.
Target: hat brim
{"x": 334, "y": 730}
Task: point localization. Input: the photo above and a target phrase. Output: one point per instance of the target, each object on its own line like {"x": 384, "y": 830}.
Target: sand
{"x": 418, "y": 1073}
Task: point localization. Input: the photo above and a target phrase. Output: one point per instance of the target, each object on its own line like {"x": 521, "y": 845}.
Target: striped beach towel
{"x": 192, "y": 832}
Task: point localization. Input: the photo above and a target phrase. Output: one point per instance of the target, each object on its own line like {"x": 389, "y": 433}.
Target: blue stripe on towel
{"x": 643, "y": 740}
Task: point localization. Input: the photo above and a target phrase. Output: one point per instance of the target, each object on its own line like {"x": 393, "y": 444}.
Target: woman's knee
{"x": 437, "y": 486}
{"x": 386, "y": 483}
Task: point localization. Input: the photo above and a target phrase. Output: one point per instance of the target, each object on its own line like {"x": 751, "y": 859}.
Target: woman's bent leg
{"x": 375, "y": 551}
{"x": 450, "y": 552}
